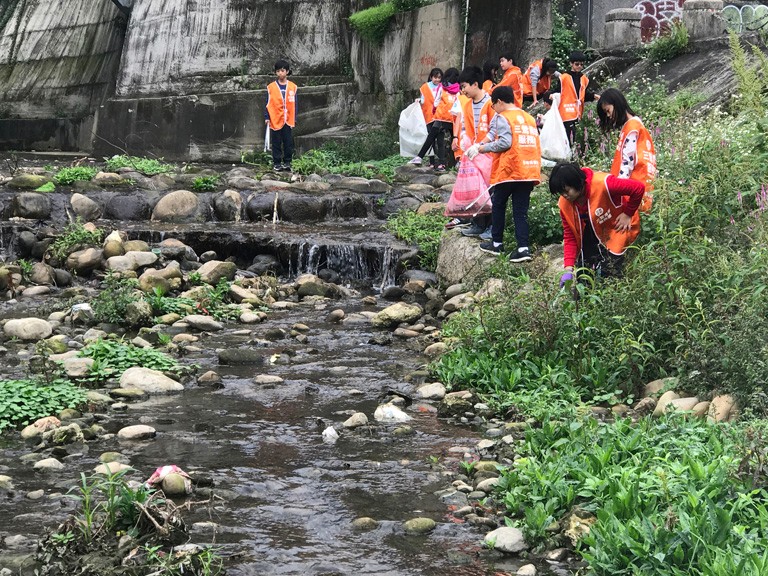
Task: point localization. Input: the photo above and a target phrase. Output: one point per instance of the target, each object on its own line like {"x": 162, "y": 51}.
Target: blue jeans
{"x": 520, "y": 192}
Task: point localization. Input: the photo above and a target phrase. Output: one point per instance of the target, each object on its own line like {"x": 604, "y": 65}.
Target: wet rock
{"x": 130, "y": 207}
{"x": 36, "y": 291}
{"x": 150, "y": 381}
{"x": 175, "y": 484}
{"x": 69, "y": 434}
{"x": 365, "y": 524}
{"x": 557, "y": 555}
{"x": 397, "y": 314}
{"x": 267, "y": 379}
{"x": 128, "y": 393}
{"x": 405, "y": 333}
{"x": 213, "y": 271}
{"x": 435, "y": 350}
{"x": 131, "y": 261}
{"x": 228, "y": 205}
{"x": 135, "y": 246}
{"x": 107, "y": 457}
{"x": 6, "y": 483}
{"x": 137, "y": 432}
{"x": 204, "y": 323}
{"x": 83, "y": 262}
{"x": 357, "y": 419}
{"x": 112, "y": 467}
{"x": 578, "y": 523}
{"x": 178, "y": 206}
{"x": 264, "y": 264}
{"x": 432, "y": 391}
{"x": 240, "y": 356}
{"x": 336, "y": 315}
{"x": 28, "y": 181}
{"x": 249, "y": 318}
{"x": 393, "y": 293}
{"x": 311, "y": 285}
{"x": 527, "y": 570}
{"x": 389, "y": 413}
{"x": 419, "y": 525}
{"x": 260, "y": 206}
{"x": 85, "y": 208}
{"x": 295, "y": 208}
{"x": 506, "y": 539}
{"x": 455, "y": 404}
{"x": 42, "y": 274}
{"x": 33, "y": 329}
{"x": 138, "y": 313}
{"x": 97, "y": 398}
{"x": 48, "y": 465}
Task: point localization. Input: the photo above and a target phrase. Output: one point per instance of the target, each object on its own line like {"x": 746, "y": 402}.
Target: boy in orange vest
{"x": 280, "y": 116}
{"x": 600, "y": 218}
{"x": 514, "y": 140}
{"x": 512, "y": 77}
{"x": 574, "y": 92}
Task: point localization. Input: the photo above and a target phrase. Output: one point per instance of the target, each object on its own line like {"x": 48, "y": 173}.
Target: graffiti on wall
{"x": 658, "y": 16}
{"x": 747, "y": 18}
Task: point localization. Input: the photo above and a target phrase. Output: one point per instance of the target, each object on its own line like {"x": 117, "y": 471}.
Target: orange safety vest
{"x": 443, "y": 109}
{"x": 428, "y": 107}
{"x": 602, "y": 217}
{"x": 477, "y": 133}
{"x": 645, "y": 164}
{"x": 544, "y": 80}
{"x": 488, "y": 86}
{"x": 522, "y": 162}
{"x": 457, "y": 124}
{"x": 514, "y": 79}
{"x": 281, "y": 112}
{"x": 571, "y": 102}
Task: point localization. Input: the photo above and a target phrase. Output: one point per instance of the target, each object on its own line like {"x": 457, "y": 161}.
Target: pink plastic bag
{"x": 470, "y": 192}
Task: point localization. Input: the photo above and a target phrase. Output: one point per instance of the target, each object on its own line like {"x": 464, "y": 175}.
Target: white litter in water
{"x": 330, "y": 435}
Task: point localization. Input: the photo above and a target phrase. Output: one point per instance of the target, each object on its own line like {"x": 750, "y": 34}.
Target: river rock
{"x": 148, "y": 380}
{"x": 336, "y": 315}
{"x": 527, "y": 570}
{"x": 213, "y": 271}
{"x": 112, "y": 467}
{"x": 175, "y": 484}
{"x": 138, "y": 313}
{"x": 136, "y": 246}
{"x": 311, "y": 285}
{"x": 655, "y": 387}
{"x": 128, "y": 207}
{"x": 84, "y": 261}
{"x": 455, "y": 404}
{"x": 665, "y": 399}
{"x": 85, "y": 208}
{"x": 460, "y": 259}
{"x": 131, "y": 261}
{"x": 26, "y": 181}
{"x": 267, "y": 379}
{"x": 228, "y": 206}
{"x": 459, "y": 302}
{"x": 69, "y": 434}
{"x": 202, "y": 322}
{"x": 389, "y": 413}
{"x": 137, "y": 432}
{"x": 432, "y": 391}
{"x": 645, "y": 406}
{"x": 240, "y": 356}
{"x": 28, "y": 329}
{"x": 264, "y": 264}
{"x": 6, "y": 483}
{"x": 682, "y": 404}
{"x": 720, "y": 408}
{"x": 700, "y": 410}
{"x": 397, "y": 314}
{"x": 506, "y": 539}
{"x": 36, "y": 291}
{"x": 365, "y": 524}
{"x": 48, "y": 465}
{"x": 419, "y": 525}
{"x": 151, "y": 281}
{"x": 39, "y": 426}
{"x": 42, "y": 274}
{"x": 435, "y": 350}
{"x": 357, "y": 419}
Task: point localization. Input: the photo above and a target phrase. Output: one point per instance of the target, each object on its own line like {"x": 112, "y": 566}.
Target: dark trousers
{"x": 570, "y": 130}
{"x": 520, "y": 192}
{"x": 282, "y": 145}
{"x": 436, "y": 138}
{"x": 597, "y": 259}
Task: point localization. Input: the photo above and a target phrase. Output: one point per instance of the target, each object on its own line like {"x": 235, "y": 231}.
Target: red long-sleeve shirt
{"x": 625, "y": 192}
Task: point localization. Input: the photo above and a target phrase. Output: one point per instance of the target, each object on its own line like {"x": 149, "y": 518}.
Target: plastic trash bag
{"x": 554, "y": 140}
{"x": 469, "y": 197}
{"x": 267, "y": 141}
{"x": 413, "y": 130}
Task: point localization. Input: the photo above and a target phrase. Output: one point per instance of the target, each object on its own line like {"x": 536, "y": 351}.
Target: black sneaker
{"x": 287, "y": 168}
{"x": 473, "y": 231}
{"x": 490, "y": 248}
{"x": 277, "y": 168}
{"x": 522, "y": 255}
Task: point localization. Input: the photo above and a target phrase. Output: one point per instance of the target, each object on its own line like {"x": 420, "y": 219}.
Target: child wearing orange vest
{"x": 537, "y": 79}
{"x": 442, "y": 120}
{"x": 600, "y": 218}
{"x": 635, "y": 155}
{"x": 514, "y": 140}
{"x": 574, "y": 92}
{"x": 280, "y": 116}
{"x": 489, "y": 75}
{"x": 512, "y": 77}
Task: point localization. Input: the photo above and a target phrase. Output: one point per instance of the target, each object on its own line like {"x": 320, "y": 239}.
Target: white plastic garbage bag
{"x": 413, "y": 130}
{"x": 267, "y": 141}
{"x": 554, "y": 140}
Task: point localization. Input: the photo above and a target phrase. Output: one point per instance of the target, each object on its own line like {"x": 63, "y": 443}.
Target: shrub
{"x": 670, "y": 44}
{"x": 146, "y": 166}
{"x": 372, "y": 23}
{"x": 424, "y": 230}
{"x": 113, "y": 357}
{"x": 24, "y": 401}
{"x": 67, "y": 176}
{"x": 74, "y": 237}
{"x": 565, "y": 39}
{"x": 111, "y": 303}
{"x": 205, "y": 183}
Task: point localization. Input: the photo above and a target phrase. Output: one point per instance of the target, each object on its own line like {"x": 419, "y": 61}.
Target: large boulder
{"x": 128, "y": 207}
{"x": 28, "y": 181}
{"x": 85, "y": 208}
{"x": 506, "y": 539}
{"x": 295, "y": 208}
{"x": 397, "y": 314}
{"x": 34, "y": 205}
{"x": 84, "y": 261}
{"x": 178, "y": 206}
{"x": 228, "y": 205}
{"x": 131, "y": 261}
{"x": 460, "y": 259}
{"x": 28, "y": 329}
{"x": 138, "y": 313}
{"x": 260, "y": 206}
{"x": 213, "y": 271}
{"x": 150, "y": 381}
{"x": 42, "y": 274}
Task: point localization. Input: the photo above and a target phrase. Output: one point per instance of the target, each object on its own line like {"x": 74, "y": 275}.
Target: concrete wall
{"x": 56, "y": 62}
{"x": 591, "y": 17}
{"x": 182, "y": 47}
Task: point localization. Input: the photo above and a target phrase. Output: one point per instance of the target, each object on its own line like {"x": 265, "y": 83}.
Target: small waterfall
{"x": 388, "y": 268}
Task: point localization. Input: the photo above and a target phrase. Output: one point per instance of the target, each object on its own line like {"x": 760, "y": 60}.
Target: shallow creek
{"x": 290, "y": 497}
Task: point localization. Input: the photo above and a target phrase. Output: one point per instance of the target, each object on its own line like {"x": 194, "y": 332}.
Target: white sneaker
{"x": 415, "y": 160}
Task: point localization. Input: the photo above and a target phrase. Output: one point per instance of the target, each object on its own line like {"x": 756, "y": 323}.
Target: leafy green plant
{"x": 670, "y": 44}
{"x": 423, "y": 230}
{"x": 24, "y": 401}
{"x": 113, "y": 357}
{"x": 205, "y": 183}
{"x": 162, "y": 304}
{"x": 74, "y": 237}
{"x": 68, "y": 176}
{"x": 565, "y": 38}
{"x": 47, "y": 187}
{"x": 111, "y": 303}
{"x": 256, "y": 157}
{"x": 373, "y": 23}
{"x": 26, "y": 268}
{"x": 146, "y": 166}
{"x": 214, "y": 302}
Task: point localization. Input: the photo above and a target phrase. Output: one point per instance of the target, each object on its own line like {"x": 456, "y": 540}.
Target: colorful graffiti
{"x": 658, "y": 16}
{"x": 747, "y": 18}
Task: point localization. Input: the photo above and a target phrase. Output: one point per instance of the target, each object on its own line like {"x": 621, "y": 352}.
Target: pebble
{"x": 137, "y": 432}
{"x": 527, "y": 570}
{"x": 35, "y": 494}
{"x": 48, "y": 464}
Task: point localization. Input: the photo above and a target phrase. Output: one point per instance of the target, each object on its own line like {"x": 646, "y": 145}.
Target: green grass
{"x": 24, "y": 401}
{"x": 146, "y": 166}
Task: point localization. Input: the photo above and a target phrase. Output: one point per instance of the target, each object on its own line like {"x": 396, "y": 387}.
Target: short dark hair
{"x": 548, "y": 64}
{"x": 503, "y": 93}
{"x": 435, "y": 72}
{"x": 507, "y": 55}
{"x": 451, "y": 76}
{"x": 489, "y": 70}
{"x": 566, "y": 174}
{"x": 283, "y": 64}
{"x": 471, "y": 75}
{"x": 621, "y": 110}
{"x": 577, "y": 56}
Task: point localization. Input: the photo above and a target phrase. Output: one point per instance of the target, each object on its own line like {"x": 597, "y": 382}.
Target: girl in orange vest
{"x": 635, "y": 155}
{"x": 428, "y": 91}
{"x": 512, "y": 77}
{"x": 574, "y": 92}
{"x": 514, "y": 140}
{"x": 600, "y": 218}
{"x": 490, "y": 68}
{"x": 537, "y": 79}
{"x": 280, "y": 116}
{"x": 442, "y": 119}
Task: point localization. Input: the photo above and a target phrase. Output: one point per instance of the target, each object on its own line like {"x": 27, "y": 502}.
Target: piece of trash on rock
{"x": 172, "y": 479}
